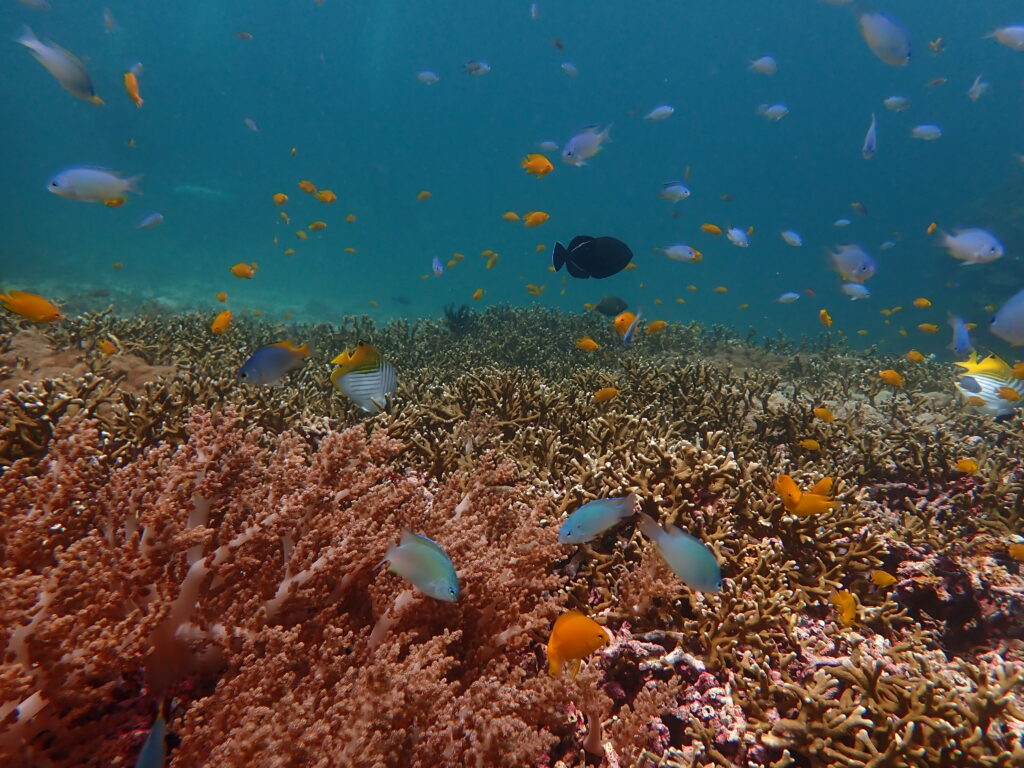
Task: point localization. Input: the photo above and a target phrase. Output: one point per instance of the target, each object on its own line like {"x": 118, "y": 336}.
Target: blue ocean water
{"x": 336, "y": 81}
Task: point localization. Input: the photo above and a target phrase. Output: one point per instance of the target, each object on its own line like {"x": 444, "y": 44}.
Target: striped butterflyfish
{"x": 365, "y": 377}
{"x": 989, "y": 385}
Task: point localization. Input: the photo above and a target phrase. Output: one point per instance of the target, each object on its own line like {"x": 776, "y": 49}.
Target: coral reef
{"x": 166, "y": 533}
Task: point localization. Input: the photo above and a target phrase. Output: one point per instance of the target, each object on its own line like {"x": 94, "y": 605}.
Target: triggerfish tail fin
{"x": 558, "y": 257}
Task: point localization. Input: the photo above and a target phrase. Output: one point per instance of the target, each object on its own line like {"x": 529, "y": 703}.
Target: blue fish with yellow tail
{"x": 365, "y": 377}
{"x": 423, "y": 562}
{"x": 594, "y": 518}
{"x": 268, "y": 365}
{"x": 689, "y": 559}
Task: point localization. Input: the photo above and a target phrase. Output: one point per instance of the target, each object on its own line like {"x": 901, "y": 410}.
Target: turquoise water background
{"x": 337, "y": 82}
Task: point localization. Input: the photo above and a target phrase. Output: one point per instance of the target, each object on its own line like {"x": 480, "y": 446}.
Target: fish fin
{"x": 558, "y": 257}
{"x": 133, "y": 182}
{"x": 576, "y": 271}
{"x": 649, "y": 527}
{"x": 823, "y": 487}
{"x": 574, "y": 667}
{"x": 579, "y": 240}
{"x": 28, "y": 37}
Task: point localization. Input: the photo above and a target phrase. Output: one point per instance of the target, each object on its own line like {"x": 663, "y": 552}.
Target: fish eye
{"x": 54, "y": 184}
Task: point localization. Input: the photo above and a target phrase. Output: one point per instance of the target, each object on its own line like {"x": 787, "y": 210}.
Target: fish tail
{"x": 558, "y": 258}
{"x": 133, "y": 182}
{"x": 28, "y": 37}
{"x": 648, "y": 526}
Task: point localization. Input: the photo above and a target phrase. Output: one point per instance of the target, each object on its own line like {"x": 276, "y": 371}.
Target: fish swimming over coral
{"x": 425, "y": 564}
{"x": 989, "y": 385}
{"x": 365, "y": 377}
{"x": 587, "y": 256}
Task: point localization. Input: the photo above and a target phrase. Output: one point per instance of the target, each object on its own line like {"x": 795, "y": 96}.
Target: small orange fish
{"x": 280, "y": 198}
{"x": 882, "y": 578}
{"x": 244, "y": 271}
{"x": 692, "y": 288}
{"x": 30, "y": 306}
{"x": 1016, "y": 551}
{"x": 326, "y": 196}
{"x": 131, "y": 87}
{"x": 931, "y": 228}
{"x": 967, "y": 466}
{"x": 115, "y": 202}
{"x": 824, "y": 414}
{"x": 452, "y": 263}
{"x": 510, "y": 216}
{"x": 655, "y": 326}
{"x": 535, "y": 218}
{"x": 221, "y": 296}
{"x": 810, "y": 445}
{"x": 914, "y": 356}
{"x": 349, "y": 218}
{"x": 975, "y": 401}
{"x": 630, "y": 267}
{"x": 928, "y": 328}
{"x": 623, "y": 321}
{"x": 1009, "y": 394}
{"x": 540, "y": 247}
{"x": 1018, "y": 370}
{"x": 533, "y": 290}
{"x": 537, "y": 165}
{"x": 423, "y": 194}
{"x": 118, "y": 265}
{"x": 892, "y": 378}
{"x": 350, "y": 249}
{"x": 847, "y": 605}
{"x": 300, "y": 234}
{"x": 107, "y": 347}
{"x": 711, "y": 229}
{"x": 815, "y": 501}
{"x": 221, "y": 322}
{"x": 721, "y": 289}
{"x": 317, "y": 226}
{"x": 922, "y": 302}
{"x": 604, "y": 394}
{"x": 289, "y": 251}
{"x": 285, "y": 217}
{"x": 478, "y": 294}
{"x": 307, "y": 186}
{"x": 825, "y": 317}
{"x": 572, "y": 639}
{"x": 587, "y": 344}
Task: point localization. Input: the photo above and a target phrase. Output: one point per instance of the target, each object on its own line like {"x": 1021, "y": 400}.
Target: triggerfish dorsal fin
{"x": 290, "y": 346}
{"x": 993, "y": 365}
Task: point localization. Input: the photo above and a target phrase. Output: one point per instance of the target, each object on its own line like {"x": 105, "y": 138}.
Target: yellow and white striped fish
{"x": 989, "y": 385}
{"x": 365, "y": 377}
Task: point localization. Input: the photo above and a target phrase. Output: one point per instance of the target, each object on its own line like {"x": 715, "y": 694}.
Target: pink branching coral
{"x": 236, "y": 576}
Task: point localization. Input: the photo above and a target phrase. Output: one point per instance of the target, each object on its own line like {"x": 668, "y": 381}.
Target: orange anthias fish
{"x": 892, "y": 378}
{"x": 604, "y": 394}
{"x": 815, "y": 501}
{"x": 307, "y": 186}
{"x": 535, "y": 218}
{"x": 222, "y": 322}
{"x": 914, "y": 356}
{"x": 825, "y": 317}
{"x": 510, "y": 216}
{"x": 928, "y": 328}
{"x": 30, "y": 306}
{"x": 107, "y": 347}
{"x": 587, "y": 344}
{"x": 967, "y": 466}
{"x": 131, "y": 86}
{"x": 655, "y": 326}
{"x": 623, "y": 321}
{"x": 824, "y": 414}
{"x": 326, "y": 196}
{"x": 245, "y": 271}
{"x": 537, "y": 165}
{"x": 221, "y": 296}
{"x": 423, "y": 194}
{"x": 847, "y": 605}
{"x": 882, "y": 578}
{"x": 317, "y": 226}
{"x": 478, "y": 294}
{"x": 280, "y": 198}
{"x": 572, "y": 639}
{"x": 711, "y": 229}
